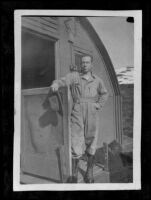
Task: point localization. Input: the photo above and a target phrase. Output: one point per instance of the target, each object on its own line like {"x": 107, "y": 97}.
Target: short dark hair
{"x": 87, "y": 55}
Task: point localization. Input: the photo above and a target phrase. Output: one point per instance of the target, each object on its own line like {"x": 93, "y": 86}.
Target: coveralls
{"x": 88, "y": 97}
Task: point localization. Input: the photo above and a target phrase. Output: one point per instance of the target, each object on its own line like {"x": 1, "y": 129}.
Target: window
{"x": 78, "y": 54}
{"x": 78, "y": 61}
{"x": 38, "y": 61}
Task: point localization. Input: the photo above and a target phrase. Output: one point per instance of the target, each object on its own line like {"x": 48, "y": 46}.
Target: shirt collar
{"x": 92, "y": 77}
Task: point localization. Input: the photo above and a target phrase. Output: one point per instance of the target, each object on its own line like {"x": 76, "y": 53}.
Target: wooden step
{"x": 100, "y": 176}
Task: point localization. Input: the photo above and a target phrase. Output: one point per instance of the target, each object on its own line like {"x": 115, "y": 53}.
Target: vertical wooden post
{"x": 106, "y": 154}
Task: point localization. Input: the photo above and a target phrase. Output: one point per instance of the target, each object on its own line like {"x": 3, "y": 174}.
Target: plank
{"x": 35, "y": 25}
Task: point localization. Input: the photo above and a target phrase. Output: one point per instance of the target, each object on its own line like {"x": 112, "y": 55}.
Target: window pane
{"x": 38, "y": 61}
{"x": 78, "y": 61}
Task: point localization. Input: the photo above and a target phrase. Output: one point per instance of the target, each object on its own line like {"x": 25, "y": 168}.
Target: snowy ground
{"x": 125, "y": 75}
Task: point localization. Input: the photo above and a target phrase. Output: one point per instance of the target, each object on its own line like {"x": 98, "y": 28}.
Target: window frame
{"x": 81, "y": 51}
{"x": 56, "y": 60}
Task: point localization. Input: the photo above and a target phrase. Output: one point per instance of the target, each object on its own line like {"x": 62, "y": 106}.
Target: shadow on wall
{"x": 52, "y": 105}
{"x": 44, "y": 119}
{"x": 49, "y": 117}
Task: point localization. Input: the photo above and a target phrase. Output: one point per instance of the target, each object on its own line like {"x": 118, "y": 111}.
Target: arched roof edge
{"x": 94, "y": 36}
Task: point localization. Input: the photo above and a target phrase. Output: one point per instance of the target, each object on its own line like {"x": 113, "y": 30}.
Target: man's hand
{"x": 97, "y": 106}
{"x": 54, "y": 87}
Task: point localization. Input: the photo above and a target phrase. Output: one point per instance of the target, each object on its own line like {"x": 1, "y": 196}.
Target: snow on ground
{"x": 125, "y": 75}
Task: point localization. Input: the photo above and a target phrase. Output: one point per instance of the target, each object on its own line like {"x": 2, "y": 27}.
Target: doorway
{"x": 41, "y": 128}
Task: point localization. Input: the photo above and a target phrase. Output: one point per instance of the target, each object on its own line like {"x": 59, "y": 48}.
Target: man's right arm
{"x": 58, "y": 83}
{"x": 62, "y": 82}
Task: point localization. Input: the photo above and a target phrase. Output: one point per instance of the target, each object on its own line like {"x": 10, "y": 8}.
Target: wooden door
{"x": 44, "y": 135}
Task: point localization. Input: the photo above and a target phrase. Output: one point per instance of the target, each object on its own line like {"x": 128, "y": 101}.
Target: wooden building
{"x": 51, "y": 46}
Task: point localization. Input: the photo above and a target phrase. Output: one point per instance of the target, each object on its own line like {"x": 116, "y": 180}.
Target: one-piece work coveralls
{"x": 88, "y": 97}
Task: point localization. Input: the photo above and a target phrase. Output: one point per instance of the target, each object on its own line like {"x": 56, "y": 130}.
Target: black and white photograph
{"x": 77, "y": 100}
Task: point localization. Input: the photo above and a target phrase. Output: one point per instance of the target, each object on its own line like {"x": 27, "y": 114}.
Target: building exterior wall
{"x": 70, "y": 37}
{"x": 83, "y": 42}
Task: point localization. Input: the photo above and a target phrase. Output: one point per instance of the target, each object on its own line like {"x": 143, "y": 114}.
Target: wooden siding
{"x": 45, "y": 25}
{"x": 87, "y": 40}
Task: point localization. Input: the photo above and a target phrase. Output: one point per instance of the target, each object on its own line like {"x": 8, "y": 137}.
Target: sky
{"x": 117, "y": 36}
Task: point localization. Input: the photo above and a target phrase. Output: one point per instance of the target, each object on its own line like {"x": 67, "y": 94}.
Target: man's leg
{"x": 75, "y": 165}
{"x": 89, "y": 172}
{"x": 91, "y": 137}
{"x": 77, "y": 142}
{"x": 77, "y": 149}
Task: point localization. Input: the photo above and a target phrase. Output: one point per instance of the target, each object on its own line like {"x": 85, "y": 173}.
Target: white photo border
{"x": 136, "y": 185}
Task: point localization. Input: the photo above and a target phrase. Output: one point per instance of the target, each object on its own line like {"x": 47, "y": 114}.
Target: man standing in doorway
{"x": 89, "y": 96}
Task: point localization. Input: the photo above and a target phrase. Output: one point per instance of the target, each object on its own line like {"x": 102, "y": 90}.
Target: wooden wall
{"x": 44, "y": 25}
{"x": 55, "y": 27}
{"x": 85, "y": 43}
{"x": 65, "y": 47}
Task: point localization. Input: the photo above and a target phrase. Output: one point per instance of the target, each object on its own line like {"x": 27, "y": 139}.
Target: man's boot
{"x": 75, "y": 165}
{"x": 74, "y": 177}
{"x": 89, "y": 173}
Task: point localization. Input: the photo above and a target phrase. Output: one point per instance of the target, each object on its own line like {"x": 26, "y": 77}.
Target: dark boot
{"x": 74, "y": 177}
{"x": 89, "y": 173}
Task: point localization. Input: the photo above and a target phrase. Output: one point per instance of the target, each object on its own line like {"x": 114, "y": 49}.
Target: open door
{"x": 44, "y": 134}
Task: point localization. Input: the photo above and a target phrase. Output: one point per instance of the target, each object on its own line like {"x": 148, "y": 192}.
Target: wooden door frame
{"x": 56, "y": 47}
{"x": 43, "y": 90}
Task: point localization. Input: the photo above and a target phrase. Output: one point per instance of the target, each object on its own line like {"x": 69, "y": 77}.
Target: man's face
{"x": 86, "y": 64}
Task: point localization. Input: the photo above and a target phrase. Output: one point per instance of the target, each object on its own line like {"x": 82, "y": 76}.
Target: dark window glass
{"x": 38, "y": 61}
{"x": 78, "y": 61}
